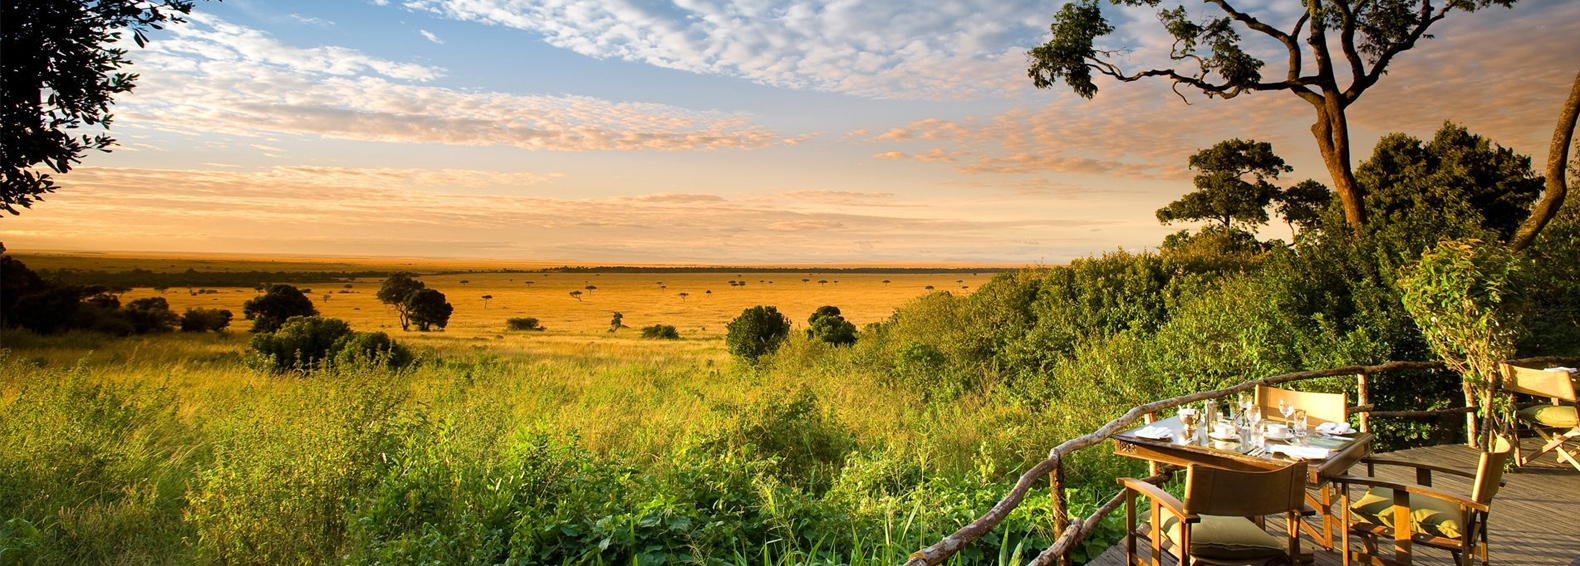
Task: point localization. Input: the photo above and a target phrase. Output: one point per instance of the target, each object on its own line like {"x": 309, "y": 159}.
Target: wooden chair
{"x": 1411, "y": 514}
{"x": 1214, "y": 525}
{"x": 1557, "y": 423}
{"x": 1319, "y": 407}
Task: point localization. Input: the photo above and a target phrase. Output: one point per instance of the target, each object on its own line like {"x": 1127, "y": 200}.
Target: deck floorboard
{"x": 1535, "y": 518}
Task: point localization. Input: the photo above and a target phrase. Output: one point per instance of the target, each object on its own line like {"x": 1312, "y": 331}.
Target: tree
{"x": 394, "y": 292}
{"x": 757, "y": 332}
{"x": 486, "y": 298}
{"x": 616, "y": 322}
{"x": 1556, "y": 189}
{"x": 590, "y": 288}
{"x": 428, "y": 309}
{"x": 150, "y": 314}
{"x": 683, "y": 297}
{"x": 1211, "y": 59}
{"x": 1456, "y": 174}
{"x": 828, "y": 325}
{"x": 1302, "y": 205}
{"x": 1233, "y": 187}
{"x": 61, "y": 72}
{"x": 277, "y": 303}
{"x": 576, "y": 295}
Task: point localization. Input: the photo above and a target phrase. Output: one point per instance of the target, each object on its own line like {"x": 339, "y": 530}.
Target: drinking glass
{"x": 1286, "y": 408}
{"x": 1189, "y": 419}
{"x": 1253, "y": 416}
{"x": 1299, "y": 427}
{"x": 1245, "y": 402}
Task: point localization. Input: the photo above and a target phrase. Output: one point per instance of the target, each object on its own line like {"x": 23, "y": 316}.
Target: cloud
{"x": 320, "y": 22}
{"x": 467, "y": 213}
{"x": 213, "y": 76}
{"x": 430, "y": 36}
{"x": 928, "y": 49}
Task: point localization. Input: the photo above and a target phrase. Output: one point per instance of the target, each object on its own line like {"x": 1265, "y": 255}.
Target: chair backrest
{"x": 1489, "y": 471}
{"x": 1216, "y": 491}
{"x": 1319, "y": 407}
{"x": 1541, "y": 383}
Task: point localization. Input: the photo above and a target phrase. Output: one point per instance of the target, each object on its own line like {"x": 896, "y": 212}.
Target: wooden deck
{"x": 1535, "y": 517}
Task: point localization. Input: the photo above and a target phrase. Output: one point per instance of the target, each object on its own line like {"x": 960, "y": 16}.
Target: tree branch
{"x": 1347, "y": 40}
{"x": 1557, "y": 189}
{"x": 1364, "y": 82}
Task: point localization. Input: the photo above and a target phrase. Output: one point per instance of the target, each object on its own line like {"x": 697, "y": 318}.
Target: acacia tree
{"x": 1209, "y": 56}
{"x": 60, "y": 73}
{"x": 394, "y": 292}
{"x": 1556, "y": 190}
{"x": 1234, "y": 189}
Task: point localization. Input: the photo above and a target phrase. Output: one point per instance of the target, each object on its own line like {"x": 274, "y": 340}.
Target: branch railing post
{"x": 1061, "y": 508}
{"x": 1363, "y": 398}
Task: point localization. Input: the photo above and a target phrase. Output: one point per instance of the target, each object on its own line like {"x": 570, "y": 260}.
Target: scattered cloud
{"x": 213, "y": 76}
{"x": 927, "y": 49}
{"x": 428, "y": 35}
{"x": 320, "y": 22}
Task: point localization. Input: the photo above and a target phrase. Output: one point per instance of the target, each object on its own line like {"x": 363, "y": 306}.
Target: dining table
{"x": 1241, "y": 452}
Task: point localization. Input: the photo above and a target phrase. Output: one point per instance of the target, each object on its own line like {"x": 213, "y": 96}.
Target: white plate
{"x": 1285, "y": 436}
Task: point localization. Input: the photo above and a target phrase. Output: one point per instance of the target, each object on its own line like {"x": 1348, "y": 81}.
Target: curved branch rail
{"x": 1077, "y": 531}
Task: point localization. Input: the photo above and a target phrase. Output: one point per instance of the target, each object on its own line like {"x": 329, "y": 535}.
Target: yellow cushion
{"x": 1559, "y": 416}
{"x": 1230, "y": 538}
{"x": 1427, "y": 515}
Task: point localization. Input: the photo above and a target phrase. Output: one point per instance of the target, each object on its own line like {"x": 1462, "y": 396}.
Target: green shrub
{"x": 302, "y": 343}
{"x": 660, "y": 332}
{"x": 525, "y": 323}
{"x": 807, "y": 441}
{"x": 828, "y": 325}
{"x": 205, "y": 320}
{"x": 370, "y": 349}
{"x": 757, "y": 332}
{"x": 151, "y": 314}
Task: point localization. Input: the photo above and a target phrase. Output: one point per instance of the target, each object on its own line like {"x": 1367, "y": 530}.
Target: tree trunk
{"x": 1557, "y": 188}
{"x": 1333, "y": 140}
{"x": 1470, "y": 418}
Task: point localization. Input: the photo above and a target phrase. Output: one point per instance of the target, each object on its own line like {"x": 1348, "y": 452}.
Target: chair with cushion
{"x": 1557, "y": 423}
{"x": 1214, "y": 524}
{"x": 1430, "y": 517}
{"x": 1319, "y": 407}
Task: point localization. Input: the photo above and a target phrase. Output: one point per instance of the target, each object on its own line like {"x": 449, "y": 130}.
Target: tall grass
{"x": 169, "y": 450}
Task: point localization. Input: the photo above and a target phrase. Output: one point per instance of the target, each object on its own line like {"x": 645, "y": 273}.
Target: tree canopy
{"x": 1234, "y": 189}
{"x": 1457, "y": 173}
{"x": 277, "y": 304}
{"x": 428, "y": 309}
{"x": 394, "y": 292}
{"x": 61, "y": 72}
{"x": 1210, "y": 55}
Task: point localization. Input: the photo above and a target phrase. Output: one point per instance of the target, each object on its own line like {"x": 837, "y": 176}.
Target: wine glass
{"x": 1253, "y": 416}
{"x": 1286, "y": 408}
{"x": 1245, "y": 401}
{"x": 1299, "y": 427}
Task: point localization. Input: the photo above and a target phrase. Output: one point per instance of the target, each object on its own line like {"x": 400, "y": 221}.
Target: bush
{"x": 660, "y": 332}
{"x": 808, "y": 442}
{"x": 828, "y": 325}
{"x": 151, "y": 314}
{"x": 757, "y": 332}
{"x": 205, "y": 320}
{"x": 370, "y": 349}
{"x": 277, "y": 304}
{"x": 427, "y": 309}
{"x": 302, "y": 343}
{"x": 525, "y": 323}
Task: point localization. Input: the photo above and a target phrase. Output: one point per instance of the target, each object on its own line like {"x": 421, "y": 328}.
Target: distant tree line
{"x": 47, "y": 306}
{"x": 194, "y": 278}
{"x": 728, "y": 269}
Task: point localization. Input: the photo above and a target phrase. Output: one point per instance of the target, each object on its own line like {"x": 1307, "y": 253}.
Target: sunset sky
{"x": 706, "y": 130}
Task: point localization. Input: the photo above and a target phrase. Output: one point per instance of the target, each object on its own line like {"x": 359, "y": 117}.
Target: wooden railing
{"x": 1072, "y": 531}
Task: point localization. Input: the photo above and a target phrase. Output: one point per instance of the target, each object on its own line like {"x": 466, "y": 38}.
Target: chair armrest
{"x": 1346, "y": 481}
{"x": 1163, "y": 498}
{"x": 1418, "y": 466}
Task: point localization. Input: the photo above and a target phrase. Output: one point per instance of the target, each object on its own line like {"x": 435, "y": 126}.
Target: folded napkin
{"x": 1155, "y": 433}
{"x": 1301, "y": 452}
{"x": 1335, "y": 428}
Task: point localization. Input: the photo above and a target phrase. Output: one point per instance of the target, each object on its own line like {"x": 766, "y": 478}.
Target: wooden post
{"x": 1152, "y": 466}
{"x": 1363, "y": 397}
{"x": 1061, "y": 510}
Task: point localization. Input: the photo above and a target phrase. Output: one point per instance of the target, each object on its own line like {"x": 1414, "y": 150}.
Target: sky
{"x": 710, "y": 131}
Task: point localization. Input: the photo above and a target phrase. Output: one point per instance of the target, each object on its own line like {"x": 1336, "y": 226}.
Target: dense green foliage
{"x": 61, "y": 72}
{"x": 275, "y": 305}
{"x": 828, "y": 325}
{"x": 309, "y": 343}
{"x": 48, "y": 307}
{"x": 428, "y": 309}
{"x": 193, "y": 278}
{"x": 1455, "y": 175}
{"x": 757, "y": 332}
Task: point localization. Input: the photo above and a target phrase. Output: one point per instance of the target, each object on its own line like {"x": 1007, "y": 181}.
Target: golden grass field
{"x": 643, "y": 298}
